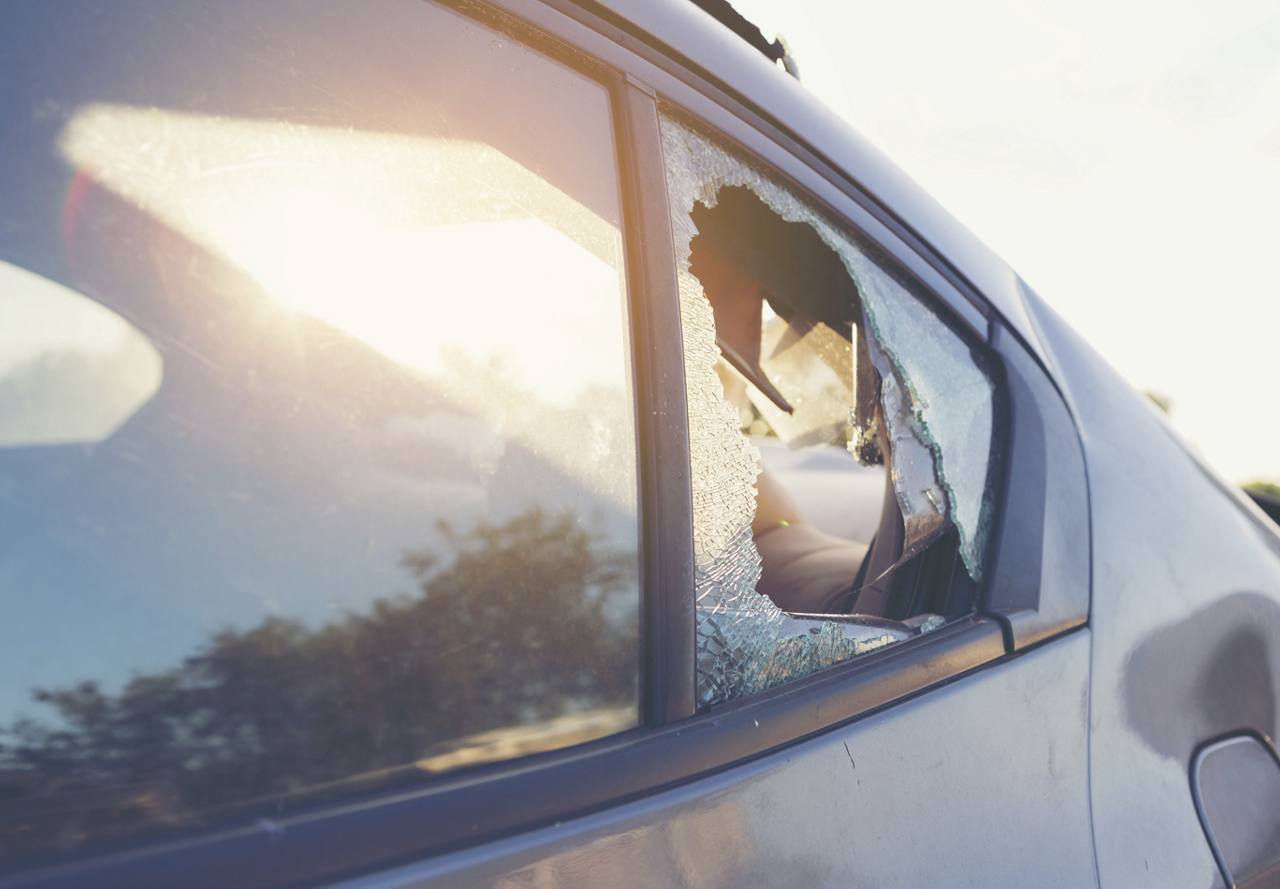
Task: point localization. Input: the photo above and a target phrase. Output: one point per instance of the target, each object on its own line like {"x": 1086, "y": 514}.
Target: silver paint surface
{"x": 1185, "y": 617}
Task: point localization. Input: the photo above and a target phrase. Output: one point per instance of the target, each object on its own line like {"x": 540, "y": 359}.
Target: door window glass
{"x": 317, "y": 452}
{"x": 840, "y": 433}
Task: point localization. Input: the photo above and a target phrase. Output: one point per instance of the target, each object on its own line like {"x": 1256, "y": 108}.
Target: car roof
{"x": 685, "y": 32}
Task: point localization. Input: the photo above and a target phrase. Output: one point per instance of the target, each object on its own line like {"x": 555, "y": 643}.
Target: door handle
{"x": 1235, "y": 782}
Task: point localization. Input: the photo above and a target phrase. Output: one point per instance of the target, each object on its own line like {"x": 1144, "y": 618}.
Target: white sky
{"x": 1122, "y": 155}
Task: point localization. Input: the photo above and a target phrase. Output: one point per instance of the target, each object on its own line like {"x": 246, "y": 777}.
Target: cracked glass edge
{"x": 745, "y": 643}
{"x": 920, "y": 495}
{"x": 948, "y": 392}
{"x": 959, "y": 420}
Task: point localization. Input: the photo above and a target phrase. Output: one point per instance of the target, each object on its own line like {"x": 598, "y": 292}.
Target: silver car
{"x": 530, "y": 443}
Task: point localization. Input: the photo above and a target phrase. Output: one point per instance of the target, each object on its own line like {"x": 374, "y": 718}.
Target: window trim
{"x": 1040, "y": 577}
{"x": 662, "y": 416}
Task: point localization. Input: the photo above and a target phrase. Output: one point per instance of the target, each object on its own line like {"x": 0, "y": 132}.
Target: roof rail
{"x": 777, "y": 51}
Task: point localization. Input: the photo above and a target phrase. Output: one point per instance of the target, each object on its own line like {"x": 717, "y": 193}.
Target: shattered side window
{"x": 800, "y": 348}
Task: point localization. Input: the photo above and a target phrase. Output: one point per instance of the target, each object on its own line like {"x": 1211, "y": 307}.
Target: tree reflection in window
{"x": 260, "y": 714}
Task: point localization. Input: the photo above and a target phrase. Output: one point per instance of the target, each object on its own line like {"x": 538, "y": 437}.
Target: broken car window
{"x": 840, "y": 432}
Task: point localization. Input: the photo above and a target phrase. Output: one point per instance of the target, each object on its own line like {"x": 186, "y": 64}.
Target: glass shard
{"x": 818, "y": 363}
{"x": 951, "y": 397}
{"x": 915, "y": 482}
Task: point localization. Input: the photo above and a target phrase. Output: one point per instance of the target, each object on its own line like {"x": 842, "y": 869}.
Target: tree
{"x": 513, "y": 630}
{"x": 1260, "y": 486}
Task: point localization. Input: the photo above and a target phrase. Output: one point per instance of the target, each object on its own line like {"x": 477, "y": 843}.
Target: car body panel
{"x": 1063, "y": 764}
{"x": 955, "y": 787}
{"x": 1186, "y": 622}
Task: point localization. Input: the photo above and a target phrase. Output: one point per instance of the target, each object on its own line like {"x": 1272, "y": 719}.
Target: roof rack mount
{"x": 777, "y": 51}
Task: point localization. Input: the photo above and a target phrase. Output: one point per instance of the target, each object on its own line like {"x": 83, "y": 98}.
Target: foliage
{"x": 1260, "y": 486}
{"x": 1161, "y": 401}
{"x": 514, "y": 630}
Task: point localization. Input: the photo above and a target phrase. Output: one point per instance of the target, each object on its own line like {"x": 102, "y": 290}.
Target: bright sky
{"x": 1122, "y": 155}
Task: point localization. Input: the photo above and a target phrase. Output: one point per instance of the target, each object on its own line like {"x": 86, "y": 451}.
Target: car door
{"x": 365, "y": 301}
{"x": 959, "y": 758}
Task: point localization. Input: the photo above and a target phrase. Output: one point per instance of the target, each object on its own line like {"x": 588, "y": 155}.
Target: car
{"x": 534, "y": 443}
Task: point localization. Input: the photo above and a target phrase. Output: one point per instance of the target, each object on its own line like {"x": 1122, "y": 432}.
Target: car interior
{"x": 828, "y": 524}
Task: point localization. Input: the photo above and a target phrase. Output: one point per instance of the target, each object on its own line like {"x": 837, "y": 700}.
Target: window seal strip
{"x": 662, "y": 417}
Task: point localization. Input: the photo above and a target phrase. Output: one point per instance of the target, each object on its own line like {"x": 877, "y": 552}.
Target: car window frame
{"x": 891, "y": 258}
{"x": 674, "y": 744}
{"x": 1035, "y": 597}
{"x": 1030, "y": 599}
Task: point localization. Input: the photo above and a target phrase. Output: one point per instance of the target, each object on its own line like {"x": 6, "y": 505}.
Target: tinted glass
{"x": 317, "y": 461}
